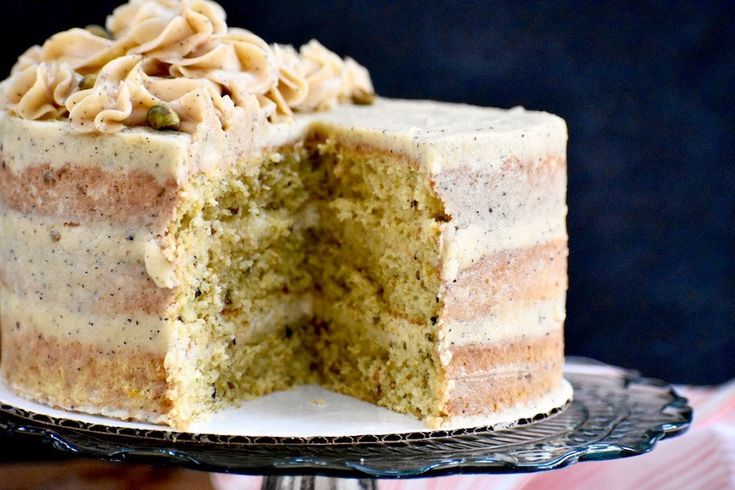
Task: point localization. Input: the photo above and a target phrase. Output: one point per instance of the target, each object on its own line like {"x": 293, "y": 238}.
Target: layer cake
{"x": 289, "y": 228}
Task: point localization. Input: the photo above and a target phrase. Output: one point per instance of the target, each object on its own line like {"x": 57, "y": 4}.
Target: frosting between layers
{"x": 534, "y": 319}
{"x": 464, "y": 247}
{"x": 180, "y": 53}
{"x": 40, "y": 252}
{"x": 138, "y": 333}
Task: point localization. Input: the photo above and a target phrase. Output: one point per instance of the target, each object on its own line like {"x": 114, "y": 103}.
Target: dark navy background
{"x": 648, "y": 92}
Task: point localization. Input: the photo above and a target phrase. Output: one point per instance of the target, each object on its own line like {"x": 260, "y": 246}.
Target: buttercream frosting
{"x": 179, "y": 53}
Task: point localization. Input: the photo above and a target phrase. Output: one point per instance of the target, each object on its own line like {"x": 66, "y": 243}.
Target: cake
{"x": 191, "y": 217}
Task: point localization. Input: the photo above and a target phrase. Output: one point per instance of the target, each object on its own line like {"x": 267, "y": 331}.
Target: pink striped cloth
{"x": 703, "y": 458}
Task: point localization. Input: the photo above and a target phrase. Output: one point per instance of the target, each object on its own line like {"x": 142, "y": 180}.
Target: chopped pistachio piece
{"x": 87, "y": 81}
{"x": 362, "y": 97}
{"x": 99, "y": 31}
{"x": 163, "y": 117}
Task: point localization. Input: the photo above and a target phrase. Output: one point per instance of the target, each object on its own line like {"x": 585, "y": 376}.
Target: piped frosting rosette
{"x": 180, "y": 54}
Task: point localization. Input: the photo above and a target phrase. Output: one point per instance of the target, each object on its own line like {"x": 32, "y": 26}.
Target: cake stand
{"x": 615, "y": 413}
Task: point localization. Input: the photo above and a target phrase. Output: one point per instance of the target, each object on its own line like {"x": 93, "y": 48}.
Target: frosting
{"x": 40, "y": 91}
{"x": 179, "y": 53}
{"x": 527, "y": 318}
{"x": 330, "y": 79}
{"x": 159, "y": 267}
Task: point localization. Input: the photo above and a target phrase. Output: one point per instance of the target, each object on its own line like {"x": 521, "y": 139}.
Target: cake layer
{"x": 483, "y": 359}
{"x": 545, "y": 404}
{"x": 81, "y": 194}
{"x": 84, "y": 377}
{"x": 494, "y": 376}
{"x": 503, "y": 280}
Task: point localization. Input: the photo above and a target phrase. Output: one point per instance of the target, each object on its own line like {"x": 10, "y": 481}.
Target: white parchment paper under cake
{"x": 304, "y": 411}
{"x": 301, "y": 412}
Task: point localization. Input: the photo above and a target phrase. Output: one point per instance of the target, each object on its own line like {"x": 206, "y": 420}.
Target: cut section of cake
{"x": 407, "y": 253}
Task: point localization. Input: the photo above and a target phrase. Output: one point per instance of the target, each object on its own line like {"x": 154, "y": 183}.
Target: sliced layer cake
{"x": 409, "y": 253}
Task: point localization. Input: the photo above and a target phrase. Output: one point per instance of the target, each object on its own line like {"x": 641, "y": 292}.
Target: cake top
{"x": 443, "y": 135}
{"x": 173, "y": 64}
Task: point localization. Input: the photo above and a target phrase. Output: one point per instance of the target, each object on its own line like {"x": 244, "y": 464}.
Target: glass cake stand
{"x": 615, "y": 413}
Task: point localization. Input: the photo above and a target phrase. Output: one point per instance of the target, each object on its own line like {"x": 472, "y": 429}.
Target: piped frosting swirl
{"x": 181, "y": 54}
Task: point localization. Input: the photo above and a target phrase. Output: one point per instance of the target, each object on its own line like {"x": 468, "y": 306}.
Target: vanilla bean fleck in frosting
{"x": 180, "y": 54}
